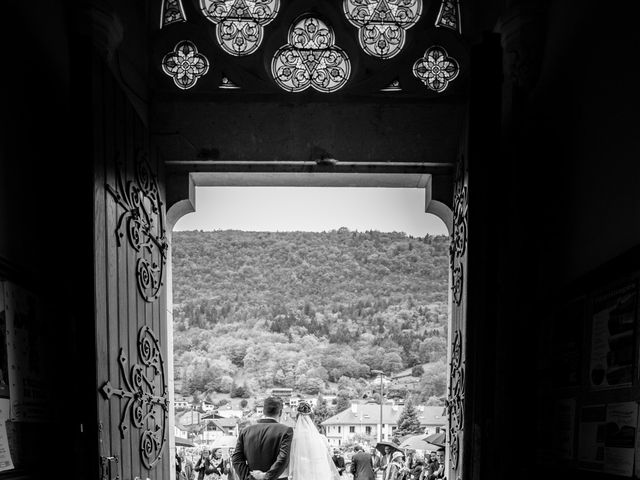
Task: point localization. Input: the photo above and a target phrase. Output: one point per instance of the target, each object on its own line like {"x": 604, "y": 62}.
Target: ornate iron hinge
{"x": 145, "y": 393}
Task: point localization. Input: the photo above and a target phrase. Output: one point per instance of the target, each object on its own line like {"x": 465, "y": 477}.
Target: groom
{"x": 264, "y": 446}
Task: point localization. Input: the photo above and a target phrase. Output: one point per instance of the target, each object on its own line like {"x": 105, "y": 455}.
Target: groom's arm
{"x": 283, "y": 457}
{"x": 239, "y": 459}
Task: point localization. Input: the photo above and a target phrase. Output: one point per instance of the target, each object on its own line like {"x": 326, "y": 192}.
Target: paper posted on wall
{"x": 607, "y": 438}
{"x": 613, "y": 339}
{"x": 5, "y": 455}
{"x": 25, "y": 355}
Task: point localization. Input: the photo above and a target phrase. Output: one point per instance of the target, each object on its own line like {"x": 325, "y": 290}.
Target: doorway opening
{"x": 335, "y": 296}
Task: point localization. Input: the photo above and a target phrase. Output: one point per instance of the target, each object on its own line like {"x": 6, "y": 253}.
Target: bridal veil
{"x": 310, "y": 458}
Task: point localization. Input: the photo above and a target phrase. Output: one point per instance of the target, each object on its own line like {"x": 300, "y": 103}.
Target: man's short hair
{"x": 272, "y": 407}
{"x": 358, "y": 448}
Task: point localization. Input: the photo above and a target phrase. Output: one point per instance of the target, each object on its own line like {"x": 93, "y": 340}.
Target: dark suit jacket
{"x": 263, "y": 446}
{"x": 361, "y": 467}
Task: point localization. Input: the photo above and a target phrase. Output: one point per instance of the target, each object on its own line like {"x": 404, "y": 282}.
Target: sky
{"x": 311, "y": 209}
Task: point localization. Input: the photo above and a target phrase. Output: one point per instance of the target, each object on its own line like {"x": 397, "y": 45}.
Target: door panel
{"x": 130, "y": 259}
{"x": 458, "y": 336}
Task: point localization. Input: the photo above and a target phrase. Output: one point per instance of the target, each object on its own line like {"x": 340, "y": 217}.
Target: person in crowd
{"x": 408, "y": 464}
{"x": 228, "y": 467}
{"x": 433, "y": 459}
{"x": 441, "y": 470}
{"x": 203, "y": 465}
{"x": 375, "y": 458}
{"x": 187, "y": 468}
{"x": 217, "y": 465}
{"x": 396, "y": 467}
{"x": 338, "y": 461}
{"x": 178, "y": 465}
{"x": 436, "y": 469}
{"x": 415, "y": 473}
{"x": 385, "y": 461}
{"x": 361, "y": 465}
{"x": 430, "y": 466}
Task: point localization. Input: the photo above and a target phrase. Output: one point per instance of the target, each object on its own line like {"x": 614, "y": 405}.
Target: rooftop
{"x": 369, "y": 414}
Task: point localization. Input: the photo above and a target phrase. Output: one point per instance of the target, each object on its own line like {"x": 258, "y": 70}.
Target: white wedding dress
{"x": 310, "y": 458}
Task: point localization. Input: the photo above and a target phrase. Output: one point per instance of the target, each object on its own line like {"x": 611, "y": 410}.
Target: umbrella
{"x": 380, "y": 446}
{"x": 417, "y": 442}
{"x": 225, "y": 441}
{"x": 438, "y": 439}
{"x": 183, "y": 442}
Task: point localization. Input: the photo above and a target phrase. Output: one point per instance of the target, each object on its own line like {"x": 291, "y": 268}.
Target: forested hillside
{"x": 311, "y": 311}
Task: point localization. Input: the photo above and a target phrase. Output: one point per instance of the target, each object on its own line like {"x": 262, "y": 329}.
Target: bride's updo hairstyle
{"x": 304, "y": 408}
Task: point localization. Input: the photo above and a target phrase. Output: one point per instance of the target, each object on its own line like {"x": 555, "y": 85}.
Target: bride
{"x": 309, "y": 458}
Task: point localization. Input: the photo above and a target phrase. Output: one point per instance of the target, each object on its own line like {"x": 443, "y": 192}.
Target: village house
{"x": 363, "y": 420}
{"x": 229, "y": 413}
{"x": 182, "y": 403}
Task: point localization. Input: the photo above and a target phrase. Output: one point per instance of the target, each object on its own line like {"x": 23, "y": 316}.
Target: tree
{"x": 320, "y": 413}
{"x": 392, "y": 362}
{"x": 434, "y": 381}
{"x": 243, "y": 403}
{"x": 417, "y": 371}
{"x": 408, "y": 422}
{"x": 435, "y": 401}
{"x": 329, "y": 299}
{"x": 240, "y": 391}
{"x": 343, "y": 402}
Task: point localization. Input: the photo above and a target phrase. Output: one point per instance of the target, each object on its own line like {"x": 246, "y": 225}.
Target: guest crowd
{"x": 393, "y": 464}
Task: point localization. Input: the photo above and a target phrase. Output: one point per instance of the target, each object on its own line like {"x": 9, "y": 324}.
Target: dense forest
{"x": 312, "y": 311}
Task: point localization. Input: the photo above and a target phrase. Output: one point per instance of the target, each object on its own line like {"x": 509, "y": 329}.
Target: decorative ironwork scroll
{"x": 449, "y": 15}
{"x": 171, "y": 12}
{"x": 455, "y": 400}
{"x": 143, "y": 220}
{"x": 436, "y": 69}
{"x": 458, "y": 245}
{"x": 240, "y": 23}
{"x": 382, "y": 24}
{"x": 459, "y": 236}
{"x": 185, "y": 65}
{"x": 145, "y": 391}
{"x": 311, "y": 59}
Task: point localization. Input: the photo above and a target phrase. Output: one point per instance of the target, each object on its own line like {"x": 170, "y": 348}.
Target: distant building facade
{"x": 363, "y": 420}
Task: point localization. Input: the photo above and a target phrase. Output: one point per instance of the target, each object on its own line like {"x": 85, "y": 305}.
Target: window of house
{"x": 352, "y": 429}
{"x": 339, "y": 429}
{"x": 368, "y": 430}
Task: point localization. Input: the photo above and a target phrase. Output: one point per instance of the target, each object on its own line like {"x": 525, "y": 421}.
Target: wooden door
{"x": 458, "y": 325}
{"x": 130, "y": 317}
